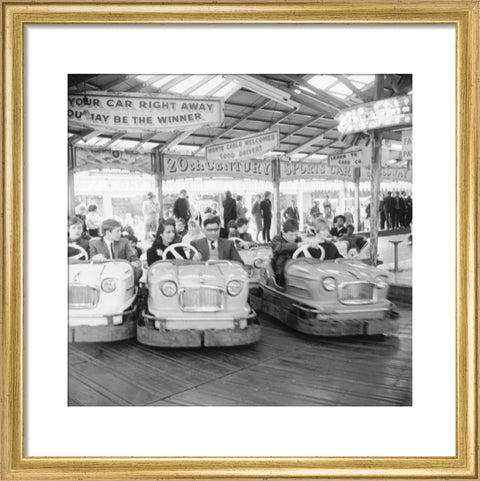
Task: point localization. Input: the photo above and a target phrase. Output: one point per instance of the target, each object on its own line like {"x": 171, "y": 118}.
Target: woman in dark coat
{"x": 229, "y": 209}
{"x": 166, "y": 236}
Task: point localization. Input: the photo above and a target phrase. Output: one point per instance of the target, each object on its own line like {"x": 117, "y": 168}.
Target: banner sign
{"x": 389, "y": 173}
{"x": 244, "y": 148}
{"x": 133, "y": 112}
{"x": 178, "y": 166}
{"x": 306, "y": 170}
{"x": 407, "y": 144}
{"x": 376, "y": 115}
{"x": 356, "y": 158}
{"x": 88, "y": 158}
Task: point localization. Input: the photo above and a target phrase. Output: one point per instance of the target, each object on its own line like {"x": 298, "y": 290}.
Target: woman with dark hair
{"x": 76, "y": 237}
{"x": 165, "y": 236}
{"x": 93, "y": 221}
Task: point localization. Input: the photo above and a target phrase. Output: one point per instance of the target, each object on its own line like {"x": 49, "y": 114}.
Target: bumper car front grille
{"x": 356, "y": 293}
{"x": 81, "y": 296}
{"x": 201, "y": 299}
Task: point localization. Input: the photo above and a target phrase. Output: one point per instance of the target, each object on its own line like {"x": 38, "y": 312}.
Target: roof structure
{"x": 302, "y": 106}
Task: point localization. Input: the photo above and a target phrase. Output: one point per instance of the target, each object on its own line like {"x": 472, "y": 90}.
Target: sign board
{"x": 407, "y": 144}
{"x": 88, "y": 158}
{"x": 380, "y": 114}
{"x": 134, "y": 112}
{"x": 389, "y": 173}
{"x": 178, "y": 166}
{"x": 356, "y": 158}
{"x": 306, "y": 170}
{"x": 244, "y": 148}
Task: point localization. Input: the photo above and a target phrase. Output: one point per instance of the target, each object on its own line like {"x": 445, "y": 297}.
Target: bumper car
{"x": 102, "y": 301}
{"x": 341, "y": 297}
{"x": 249, "y": 256}
{"x": 194, "y": 304}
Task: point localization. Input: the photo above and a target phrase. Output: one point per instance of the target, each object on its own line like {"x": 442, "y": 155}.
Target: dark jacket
{"x": 266, "y": 208}
{"x": 335, "y": 231}
{"x": 152, "y": 255}
{"x": 291, "y": 213}
{"x": 226, "y": 250}
{"x": 229, "y": 210}
{"x": 181, "y": 208}
{"x": 331, "y": 252}
{"x": 282, "y": 252}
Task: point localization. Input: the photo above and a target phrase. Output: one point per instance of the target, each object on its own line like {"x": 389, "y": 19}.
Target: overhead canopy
{"x": 302, "y": 107}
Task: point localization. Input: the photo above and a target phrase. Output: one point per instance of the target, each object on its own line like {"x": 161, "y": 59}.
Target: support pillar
{"x": 159, "y": 180}
{"x": 376, "y": 141}
{"x": 71, "y": 181}
{"x": 277, "y": 214}
{"x": 356, "y": 194}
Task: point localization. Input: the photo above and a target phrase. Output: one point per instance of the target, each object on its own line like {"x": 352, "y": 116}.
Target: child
{"x": 232, "y": 229}
{"x": 242, "y": 225}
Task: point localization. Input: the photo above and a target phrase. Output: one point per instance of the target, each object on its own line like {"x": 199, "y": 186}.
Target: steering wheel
{"x": 236, "y": 240}
{"x": 81, "y": 252}
{"x": 171, "y": 248}
{"x": 303, "y": 249}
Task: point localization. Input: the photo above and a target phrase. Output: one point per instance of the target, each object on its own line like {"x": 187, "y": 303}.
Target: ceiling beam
{"x": 304, "y": 126}
{"x": 146, "y": 83}
{"x": 199, "y": 84}
{"x": 175, "y": 140}
{"x": 120, "y": 79}
{"x": 144, "y": 140}
{"x": 323, "y": 147}
{"x": 80, "y": 136}
{"x": 312, "y": 141}
{"x": 348, "y": 83}
{"x": 74, "y": 80}
{"x": 114, "y": 138}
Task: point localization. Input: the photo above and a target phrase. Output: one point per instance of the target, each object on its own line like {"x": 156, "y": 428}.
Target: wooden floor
{"x": 285, "y": 368}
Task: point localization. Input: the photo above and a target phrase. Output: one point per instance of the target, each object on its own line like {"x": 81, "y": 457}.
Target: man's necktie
{"x": 212, "y": 245}
{"x": 111, "y": 249}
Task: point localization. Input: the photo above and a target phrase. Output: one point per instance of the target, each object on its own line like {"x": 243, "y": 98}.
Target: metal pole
{"x": 357, "y": 197}
{"x": 159, "y": 180}
{"x": 376, "y": 140}
{"x": 71, "y": 181}
{"x": 276, "y": 196}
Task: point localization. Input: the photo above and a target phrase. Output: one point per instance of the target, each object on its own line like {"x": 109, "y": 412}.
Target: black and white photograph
{"x": 240, "y": 239}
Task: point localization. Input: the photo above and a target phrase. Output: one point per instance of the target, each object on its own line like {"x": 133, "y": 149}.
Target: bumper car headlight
{"x": 381, "y": 282}
{"x": 108, "y": 285}
{"x": 169, "y": 288}
{"x": 329, "y": 284}
{"x": 234, "y": 287}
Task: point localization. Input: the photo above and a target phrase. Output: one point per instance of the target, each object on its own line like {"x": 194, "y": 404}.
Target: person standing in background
{"x": 229, "y": 209}
{"x": 381, "y": 210}
{"x": 266, "y": 211}
{"x": 241, "y": 209}
{"x": 327, "y": 208}
{"x": 314, "y": 211}
{"x": 409, "y": 210}
{"x": 80, "y": 213}
{"x": 291, "y": 212}
{"x": 151, "y": 211}
{"x": 93, "y": 221}
{"x": 388, "y": 203}
{"x": 257, "y": 216}
{"x": 181, "y": 206}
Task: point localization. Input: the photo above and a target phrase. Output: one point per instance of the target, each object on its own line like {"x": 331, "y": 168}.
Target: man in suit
{"x": 113, "y": 246}
{"x": 389, "y": 213}
{"x": 212, "y": 246}
{"x": 266, "y": 211}
{"x": 291, "y": 212}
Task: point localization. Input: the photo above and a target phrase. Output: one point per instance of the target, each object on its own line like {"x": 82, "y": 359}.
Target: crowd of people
{"x": 209, "y": 234}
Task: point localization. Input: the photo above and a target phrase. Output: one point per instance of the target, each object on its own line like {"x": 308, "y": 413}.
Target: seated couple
{"x": 210, "y": 247}
{"x": 286, "y": 243}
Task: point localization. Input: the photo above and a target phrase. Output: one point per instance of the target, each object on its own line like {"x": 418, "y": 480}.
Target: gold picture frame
{"x": 464, "y": 15}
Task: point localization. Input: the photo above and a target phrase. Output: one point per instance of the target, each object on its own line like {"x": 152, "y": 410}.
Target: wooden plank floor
{"x": 285, "y": 368}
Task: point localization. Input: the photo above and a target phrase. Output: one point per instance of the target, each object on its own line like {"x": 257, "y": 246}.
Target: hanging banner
{"x": 306, "y": 170}
{"x": 178, "y": 166}
{"x": 355, "y": 158}
{"x": 133, "y": 112}
{"x": 407, "y": 144}
{"x": 88, "y": 158}
{"x": 244, "y": 148}
{"x": 389, "y": 173}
